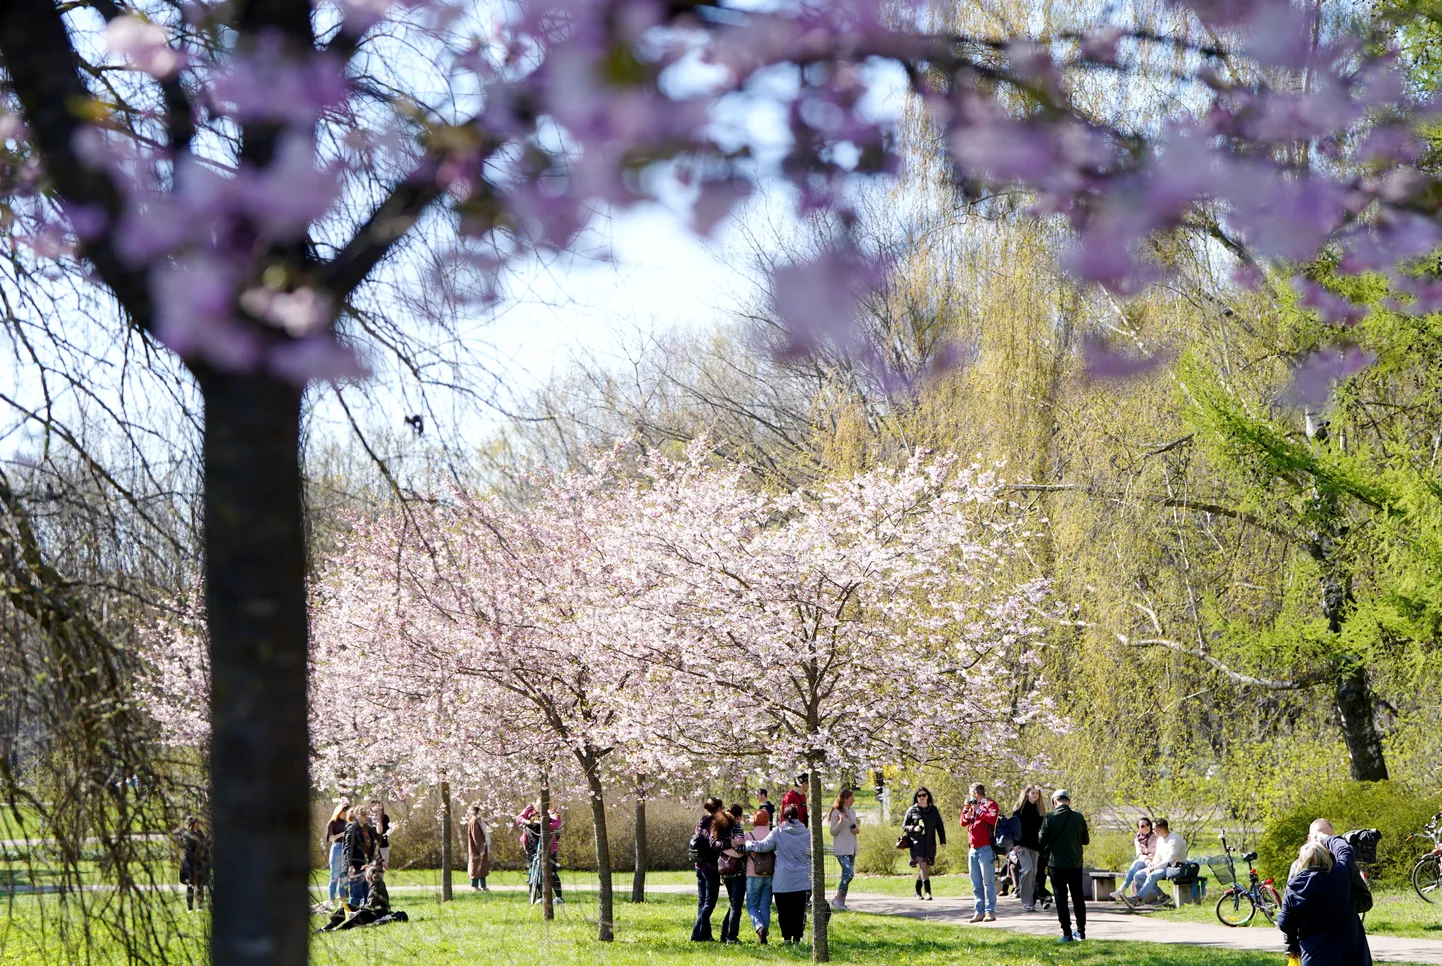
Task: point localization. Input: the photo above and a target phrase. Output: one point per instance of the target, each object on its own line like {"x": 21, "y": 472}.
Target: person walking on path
{"x": 796, "y": 795}
{"x": 760, "y": 870}
{"x": 922, "y": 823}
{"x": 1145, "y": 844}
{"x": 731, "y": 868}
{"x": 335, "y": 837}
{"x": 194, "y": 861}
{"x": 843, "y": 843}
{"x": 791, "y": 884}
{"x": 1063, "y": 835}
{"x": 478, "y": 851}
{"x": 708, "y": 879}
{"x": 1028, "y": 845}
{"x": 1317, "y": 915}
{"x": 979, "y": 815}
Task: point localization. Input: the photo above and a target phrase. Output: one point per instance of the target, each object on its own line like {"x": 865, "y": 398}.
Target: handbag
{"x": 904, "y": 842}
{"x": 728, "y": 864}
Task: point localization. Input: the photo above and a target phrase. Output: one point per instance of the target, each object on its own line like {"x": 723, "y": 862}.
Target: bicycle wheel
{"x": 1236, "y": 907}
{"x": 1427, "y": 878}
{"x": 1270, "y": 903}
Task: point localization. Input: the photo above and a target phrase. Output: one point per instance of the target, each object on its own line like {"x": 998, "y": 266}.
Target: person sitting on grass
{"x": 1170, "y": 852}
{"x": 375, "y": 910}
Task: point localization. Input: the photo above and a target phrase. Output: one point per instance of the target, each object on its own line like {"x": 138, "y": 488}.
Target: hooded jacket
{"x": 1317, "y": 915}
{"x": 791, "y": 841}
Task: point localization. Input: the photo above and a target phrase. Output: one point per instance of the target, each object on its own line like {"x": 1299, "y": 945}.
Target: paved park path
{"x": 1109, "y": 921}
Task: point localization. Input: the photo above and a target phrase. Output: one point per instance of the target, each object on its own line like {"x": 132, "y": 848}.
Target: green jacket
{"x": 1063, "y": 833}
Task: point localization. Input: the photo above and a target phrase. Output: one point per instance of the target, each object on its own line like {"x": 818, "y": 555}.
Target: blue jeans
{"x": 758, "y": 900}
{"x": 708, "y": 890}
{"x": 1137, "y": 866}
{"x": 1149, "y": 889}
{"x": 848, "y": 872}
{"x": 337, "y": 869}
{"x": 983, "y": 877}
{"x": 359, "y": 889}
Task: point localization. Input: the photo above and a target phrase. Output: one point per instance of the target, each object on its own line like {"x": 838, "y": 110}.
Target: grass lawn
{"x": 502, "y": 928}
{"x": 1395, "y": 913}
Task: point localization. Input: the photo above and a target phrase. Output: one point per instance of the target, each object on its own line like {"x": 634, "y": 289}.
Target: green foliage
{"x": 876, "y": 851}
{"x": 1111, "y": 849}
{"x": 1390, "y": 807}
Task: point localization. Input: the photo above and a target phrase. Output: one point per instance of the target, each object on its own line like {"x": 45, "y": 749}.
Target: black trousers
{"x": 791, "y": 913}
{"x": 736, "y": 894}
{"x": 708, "y": 890}
{"x": 1065, "y": 881}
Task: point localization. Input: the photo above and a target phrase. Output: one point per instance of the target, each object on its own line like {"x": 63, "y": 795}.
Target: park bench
{"x": 1103, "y": 884}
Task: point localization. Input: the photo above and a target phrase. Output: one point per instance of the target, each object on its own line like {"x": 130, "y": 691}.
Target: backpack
{"x": 693, "y": 848}
{"x": 1005, "y": 834}
{"x": 765, "y": 862}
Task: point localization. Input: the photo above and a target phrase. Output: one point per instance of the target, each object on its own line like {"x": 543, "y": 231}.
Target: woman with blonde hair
{"x": 335, "y": 843}
{"x": 1029, "y": 812}
{"x": 1317, "y": 917}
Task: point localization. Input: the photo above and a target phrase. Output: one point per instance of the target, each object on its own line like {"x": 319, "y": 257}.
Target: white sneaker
{"x": 1116, "y": 895}
{"x": 838, "y": 904}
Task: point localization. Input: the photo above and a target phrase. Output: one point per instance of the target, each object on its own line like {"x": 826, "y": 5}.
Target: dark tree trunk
{"x": 820, "y": 911}
{"x": 447, "y": 837}
{"x": 1353, "y": 694}
{"x": 548, "y": 902}
{"x": 606, "y": 928}
{"x": 255, "y": 597}
{"x": 638, "y": 876}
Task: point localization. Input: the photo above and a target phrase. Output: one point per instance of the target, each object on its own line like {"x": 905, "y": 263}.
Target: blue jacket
{"x": 791, "y": 841}
{"x": 1317, "y": 914}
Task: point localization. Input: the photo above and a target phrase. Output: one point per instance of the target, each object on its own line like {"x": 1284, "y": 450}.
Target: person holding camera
{"x": 979, "y": 815}
{"x": 843, "y": 824}
{"x": 923, "y": 826}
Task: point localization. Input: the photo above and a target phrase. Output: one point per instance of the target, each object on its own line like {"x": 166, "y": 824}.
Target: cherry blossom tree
{"x": 854, "y": 625}
{"x": 236, "y": 175}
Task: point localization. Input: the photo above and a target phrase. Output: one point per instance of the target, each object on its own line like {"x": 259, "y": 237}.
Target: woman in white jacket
{"x": 843, "y": 843}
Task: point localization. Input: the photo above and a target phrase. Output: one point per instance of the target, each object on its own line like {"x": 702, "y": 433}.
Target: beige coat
{"x": 478, "y": 849}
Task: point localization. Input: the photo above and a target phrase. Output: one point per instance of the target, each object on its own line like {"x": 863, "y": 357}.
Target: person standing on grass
{"x": 760, "y": 870}
{"x": 979, "y": 815}
{"x": 532, "y": 835}
{"x": 922, "y": 824}
{"x": 1028, "y": 845}
{"x": 381, "y": 829}
{"x": 194, "y": 862}
{"x": 478, "y": 850}
{"x": 843, "y": 843}
{"x": 796, "y": 795}
{"x": 1145, "y": 844}
{"x": 763, "y": 800}
{"x": 335, "y": 839}
{"x": 708, "y": 879}
{"x": 1063, "y": 835}
{"x": 358, "y": 845}
{"x": 731, "y": 868}
{"x": 791, "y": 884}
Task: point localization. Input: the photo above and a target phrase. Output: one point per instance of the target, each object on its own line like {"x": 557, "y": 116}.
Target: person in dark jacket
{"x": 194, "y": 861}
{"x": 359, "y": 852}
{"x": 708, "y": 880}
{"x": 1063, "y": 834}
{"x": 725, "y": 827}
{"x": 1317, "y": 915}
{"x": 1028, "y": 845}
{"x": 381, "y": 832}
{"x": 922, "y": 822}
{"x": 375, "y": 910}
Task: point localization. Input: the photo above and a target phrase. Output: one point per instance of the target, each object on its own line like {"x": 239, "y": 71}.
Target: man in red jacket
{"x": 797, "y": 797}
{"x": 979, "y": 815}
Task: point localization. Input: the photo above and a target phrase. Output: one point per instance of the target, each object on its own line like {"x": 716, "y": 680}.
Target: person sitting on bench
{"x": 1169, "y": 853}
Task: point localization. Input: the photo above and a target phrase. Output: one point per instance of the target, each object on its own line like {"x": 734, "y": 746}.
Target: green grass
{"x": 502, "y": 928}
{"x": 1395, "y": 913}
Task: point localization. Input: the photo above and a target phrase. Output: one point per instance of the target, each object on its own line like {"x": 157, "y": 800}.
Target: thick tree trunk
{"x": 447, "y": 837}
{"x": 820, "y": 911}
{"x": 1359, "y": 725}
{"x": 606, "y": 928}
{"x": 638, "y": 876}
{"x": 548, "y": 901}
{"x": 256, "y": 602}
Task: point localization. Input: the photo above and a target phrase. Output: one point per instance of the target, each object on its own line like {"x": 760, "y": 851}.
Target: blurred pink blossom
{"x": 145, "y": 45}
{"x": 1315, "y": 378}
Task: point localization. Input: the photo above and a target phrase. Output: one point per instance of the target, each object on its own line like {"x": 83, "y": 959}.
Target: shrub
{"x": 1111, "y": 850}
{"x": 876, "y": 851}
{"x": 1390, "y": 807}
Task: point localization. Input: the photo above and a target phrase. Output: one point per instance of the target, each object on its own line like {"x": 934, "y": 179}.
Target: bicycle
{"x": 1238, "y": 906}
{"x": 1427, "y": 873}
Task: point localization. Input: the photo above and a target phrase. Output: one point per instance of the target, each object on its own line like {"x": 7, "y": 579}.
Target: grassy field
{"x": 501, "y": 928}
{"x": 1395, "y": 913}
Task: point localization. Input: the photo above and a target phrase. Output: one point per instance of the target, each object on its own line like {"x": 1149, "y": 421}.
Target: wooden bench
{"x": 1104, "y": 884}
{"x": 28, "y": 880}
{"x": 1189, "y": 893}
